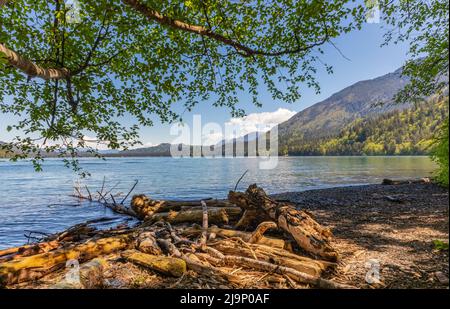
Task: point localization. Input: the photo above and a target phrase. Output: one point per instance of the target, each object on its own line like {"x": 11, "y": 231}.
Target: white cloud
{"x": 255, "y": 122}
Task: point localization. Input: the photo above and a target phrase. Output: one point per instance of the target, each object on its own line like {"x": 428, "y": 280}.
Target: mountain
{"x": 360, "y": 119}
{"x": 161, "y": 150}
{"x": 360, "y": 100}
{"x": 408, "y": 131}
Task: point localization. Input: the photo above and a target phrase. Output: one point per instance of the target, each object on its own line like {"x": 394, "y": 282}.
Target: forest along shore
{"x": 400, "y": 226}
{"x": 393, "y": 235}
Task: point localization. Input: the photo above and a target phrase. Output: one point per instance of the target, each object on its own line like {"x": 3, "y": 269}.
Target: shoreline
{"x": 390, "y": 226}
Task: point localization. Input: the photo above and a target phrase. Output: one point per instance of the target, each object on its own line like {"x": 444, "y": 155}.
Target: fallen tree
{"x": 36, "y": 266}
{"x": 309, "y": 235}
{"x": 174, "y": 238}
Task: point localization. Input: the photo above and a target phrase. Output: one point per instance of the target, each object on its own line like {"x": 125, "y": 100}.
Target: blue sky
{"x": 367, "y": 60}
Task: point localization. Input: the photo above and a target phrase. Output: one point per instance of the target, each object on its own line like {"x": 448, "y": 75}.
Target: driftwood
{"x": 283, "y": 270}
{"x": 215, "y": 216}
{"x": 273, "y": 255}
{"x": 28, "y": 250}
{"x": 147, "y": 243}
{"x": 145, "y": 207}
{"x": 36, "y": 266}
{"x": 215, "y": 238}
{"x": 309, "y": 235}
{"x": 245, "y": 236}
{"x": 171, "y": 266}
{"x": 73, "y": 233}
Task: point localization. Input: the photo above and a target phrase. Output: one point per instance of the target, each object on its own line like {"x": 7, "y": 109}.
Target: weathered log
{"x": 224, "y": 233}
{"x": 196, "y": 265}
{"x": 273, "y": 255}
{"x": 298, "y": 276}
{"x": 146, "y": 243}
{"x": 251, "y": 218}
{"x": 36, "y": 266}
{"x": 215, "y": 216}
{"x": 309, "y": 235}
{"x": 171, "y": 266}
{"x": 27, "y": 250}
{"x": 144, "y": 207}
{"x": 260, "y": 230}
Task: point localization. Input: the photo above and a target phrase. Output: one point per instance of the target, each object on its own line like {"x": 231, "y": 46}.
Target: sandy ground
{"x": 386, "y": 227}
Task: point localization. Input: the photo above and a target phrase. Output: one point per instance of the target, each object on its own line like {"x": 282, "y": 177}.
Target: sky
{"x": 364, "y": 59}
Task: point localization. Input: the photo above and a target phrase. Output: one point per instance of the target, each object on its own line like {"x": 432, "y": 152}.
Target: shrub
{"x": 440, "y": 153}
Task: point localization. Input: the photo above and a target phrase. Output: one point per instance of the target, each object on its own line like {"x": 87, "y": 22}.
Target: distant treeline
{"x": 401, "y": 132}
{"x": 405, "y": 132}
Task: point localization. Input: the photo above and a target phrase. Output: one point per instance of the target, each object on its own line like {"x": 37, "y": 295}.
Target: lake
{"x": 31, "y": 201}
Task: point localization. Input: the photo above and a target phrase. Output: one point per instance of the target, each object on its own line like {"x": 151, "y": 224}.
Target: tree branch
{"x": 30, "y": 68}
{"x": 242, "y": 49}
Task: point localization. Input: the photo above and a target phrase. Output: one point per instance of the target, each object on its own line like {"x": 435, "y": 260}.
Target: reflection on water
{"x": 41, "y": 202}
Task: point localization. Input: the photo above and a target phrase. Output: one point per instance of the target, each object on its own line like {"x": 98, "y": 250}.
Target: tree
{"x": 144, "y": 58}
{"x": 425, "y": 25}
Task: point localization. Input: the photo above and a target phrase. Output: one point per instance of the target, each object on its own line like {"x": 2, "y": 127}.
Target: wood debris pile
{"x": 249, "y": 231}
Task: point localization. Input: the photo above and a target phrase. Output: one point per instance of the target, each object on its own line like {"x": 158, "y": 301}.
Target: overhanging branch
{"x": 30, "y": 68}
{"x": 242, "y": 49}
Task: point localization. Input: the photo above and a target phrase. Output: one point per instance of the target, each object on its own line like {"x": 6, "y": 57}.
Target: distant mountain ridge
{"x": 313, "y": 130}
{"x": 327, "y": 117}
{"x": 359, "y": 100}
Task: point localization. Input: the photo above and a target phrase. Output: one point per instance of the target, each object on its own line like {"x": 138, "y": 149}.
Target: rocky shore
{"x": 387, "y": 236}
{"x": 398, "y": 227}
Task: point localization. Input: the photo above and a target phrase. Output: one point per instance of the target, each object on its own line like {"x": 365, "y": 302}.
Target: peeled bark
{"x": 283, "y": 270}
{"x": 145, "y": 207}
{"x": 146, "y": 243}
{"x": 215, "y": 216}
{"x": 245, "y": 236}
{"x": 273, "y": 255}
{"x": 37, "y": 266}
{"x": 260, "y": 230}
{"x": 308, "y": 234}
{"x": 171, "y": 266}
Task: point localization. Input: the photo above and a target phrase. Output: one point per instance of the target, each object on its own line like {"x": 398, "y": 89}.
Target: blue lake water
{"x": 42, "y": 202}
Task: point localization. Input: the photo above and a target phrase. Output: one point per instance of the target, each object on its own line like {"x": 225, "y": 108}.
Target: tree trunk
{"x": 294, "y": 274}
{"x": 309, "y": 235}
{"x": 37, "y": 266}
{"x": 215, "y": 216}
{"x": 171, "y": 266}
{"x": 245, "y": 236}
{"x": 145, "y": 207}
{"x": 273, "y": 255}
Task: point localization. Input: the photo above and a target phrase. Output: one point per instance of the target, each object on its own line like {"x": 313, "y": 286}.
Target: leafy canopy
{"x": 140, "y": 59}
{"x": 425, "y": 25}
